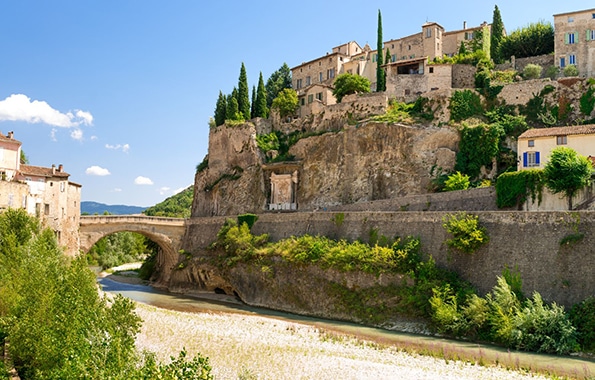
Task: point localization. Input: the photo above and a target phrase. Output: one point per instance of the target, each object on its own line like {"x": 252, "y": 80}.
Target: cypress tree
{"x": 232, "y": 110}
{"x": 380, "y": 75}
{"x": 253, "y": 104}
{"x": 387, "y": 59}
{"x": 260, "y": 105}
{"x": 220, "y": 109}
{"x": 497, "y": 35}
{"x": 243, "y": 97}
{"x": 278, "y": 80}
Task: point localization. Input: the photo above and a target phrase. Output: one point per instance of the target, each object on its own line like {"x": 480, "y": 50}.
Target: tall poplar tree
{"x": 220, "y": 109}
{"x": 380, "y": 75}
{"x": 497, "y": 35}
{"x": 253, "y": 103}
{"x": 243, "y": 94}
{"x": 260, "y": 104}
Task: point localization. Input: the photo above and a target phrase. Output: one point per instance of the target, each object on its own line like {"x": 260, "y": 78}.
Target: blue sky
{"x": 120, "y": 92}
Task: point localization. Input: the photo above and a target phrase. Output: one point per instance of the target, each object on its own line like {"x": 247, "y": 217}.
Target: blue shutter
{"x": 537, "y": 158}
{"x": 525, "y": 159}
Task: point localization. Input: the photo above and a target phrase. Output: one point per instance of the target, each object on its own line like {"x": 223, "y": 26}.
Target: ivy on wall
{"x": 464, "y": 104}
{"x": 478, "y": 147}
{"x": 514, "y": 188}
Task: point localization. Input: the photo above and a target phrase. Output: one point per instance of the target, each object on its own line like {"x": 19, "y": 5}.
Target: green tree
{"x": 286, "y": 103}
{"x": 347, "y": 83}
{"x": 380, "y": 74}
{"x": 24, "y": 158}
{"x": 176, "y": 206}
{"x": 567, "y": 172}
{"x": 277, "y": 82}
{"x": 387, "y": 58}
{"x": 253, "y": 103}
{"x": 232, "y": 111}
{"x": 243, "y": 94}
{"x": 260, "y": 104}
{"x": 462, "y": 48}
{"x": 531, "y": 40}
{"x": 497, "y": 34}
{"x": 220, "y": 109}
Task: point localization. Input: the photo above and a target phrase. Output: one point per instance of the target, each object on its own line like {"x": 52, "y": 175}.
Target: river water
{"x": 212, "y": 303}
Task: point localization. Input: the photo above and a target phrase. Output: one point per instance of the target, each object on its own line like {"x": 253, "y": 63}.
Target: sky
{"x": 120, "y": 92}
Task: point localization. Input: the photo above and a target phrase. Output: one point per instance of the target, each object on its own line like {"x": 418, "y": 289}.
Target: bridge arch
{"x": 167, "y": 233}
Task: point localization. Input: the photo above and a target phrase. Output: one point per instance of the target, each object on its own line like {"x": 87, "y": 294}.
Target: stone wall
{"x": 529, "y": 241}
{"x": 519, "y": 93}
{"x": 518, "y": 64}
{"x": 463, "y": 76}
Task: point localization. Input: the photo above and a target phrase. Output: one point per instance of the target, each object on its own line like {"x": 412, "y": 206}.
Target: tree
{"x": 286, "y": 102}
{"x": 232, "y": 111}
{"x": 462, "y": 48}
{"x": 387, "y": 59}
{"x": 243, "y": 94}
{"x": 347, "y": 83}
{"x": 380, "y": 74}
{"x": 278, "y": 81}
{"x": 567, "y": 172}
{"x": 497, "y": 35}
{"x": 260, "y": 104}
{"x": 253, "y": 103}
{"x": 531, "y": 40}
{"x": 220, "y": 109}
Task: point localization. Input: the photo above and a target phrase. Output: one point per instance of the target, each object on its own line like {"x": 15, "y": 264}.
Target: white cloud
{"x": 53, "y": 134}
{"x": 124, "y": 148}
{"x": 117, "y": 190}
{"x": 164, "y": 190}
{"x": 19, "y": 107}
{"x": 97, "y": 170}
{"x": 176, "y": 191}
{"x": 140, "y": 180}
{"x": 77, "y": 134}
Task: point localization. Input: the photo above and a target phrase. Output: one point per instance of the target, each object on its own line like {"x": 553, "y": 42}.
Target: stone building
{"x": 574, "y": 42}
{"x": 44, "y": 192}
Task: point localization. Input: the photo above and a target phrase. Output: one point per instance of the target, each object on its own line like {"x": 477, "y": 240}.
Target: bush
{"x": 570, "y": 71}
{"x": 552, "y": 72}
{"x": 457, "y": 181}
{"x": 249, "y": 219}
{"x": 464, "y": 104}
{"x": 582, "y": 316}
{"x": 513, "y": 188}
{"x": 532, "y": 71}
{"x": 467, "y": 235}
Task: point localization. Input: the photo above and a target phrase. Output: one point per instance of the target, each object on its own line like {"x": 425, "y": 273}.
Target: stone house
{"x": 44, "y": 192}
{"x": 452, "y": 39}
{"x": 574, "y": 42}
{"x": 535, "y": 145}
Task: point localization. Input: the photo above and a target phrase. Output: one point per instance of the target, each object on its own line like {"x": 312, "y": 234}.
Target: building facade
{"x": 574, "y": 42}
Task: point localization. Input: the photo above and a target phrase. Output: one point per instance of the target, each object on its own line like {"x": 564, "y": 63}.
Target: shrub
{"x": 570, "y": 71}
{"x": 457, "y": 181}
{"x": 249, "y": 219}
{"x": 552, "y": 72}
{"x": 587, "y": 101}
{"x": 464, "y": 104}
{"x": 467, "y": 235}
{"x": 532, "y": 71}
{"x": 513, "y": 188}
{"x": 582, "y": 316}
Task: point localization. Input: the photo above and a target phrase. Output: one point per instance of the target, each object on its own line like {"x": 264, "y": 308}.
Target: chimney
{"x": 53, "y": 169}
{"x": 60, "y": 168}
{"x": 464, "y": 25}
{"x": 10, "y": 135}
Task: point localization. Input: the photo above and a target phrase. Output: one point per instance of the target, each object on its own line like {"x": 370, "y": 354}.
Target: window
{"x": 330, "y": 73}
{"x": 308, "y": 80}
{"x": 409, "y": 47}
{"x": 561, "y": 140}
{"x": 393, "y": 58}
{"x": 431, "y": 70}
{"x": 530, "y": 159}
{"x": 562, "y": 62}
{"x": 570, "y": 19}
{"x": 310, "y": 98}
{"x": 468, "y": 36}
{"x": 302, "y": 101}
{"x": 590, "y": 35}
{"x": 531, "y": 143}
{"x": 320, "y": 78}
{"x": 374, "y": 57}
{"x": 572, "y": 59}
{"x": 570, "y": 38}
{"x": 319, "y": 96}
{"x": 428, "y": 32}
{"x": 298, "y": 84}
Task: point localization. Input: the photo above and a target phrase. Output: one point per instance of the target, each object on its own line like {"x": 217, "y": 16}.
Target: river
{"x": 221, "y": 305}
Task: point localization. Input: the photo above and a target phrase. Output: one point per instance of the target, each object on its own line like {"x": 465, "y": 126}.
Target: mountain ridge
{"x": 91, "y": 208}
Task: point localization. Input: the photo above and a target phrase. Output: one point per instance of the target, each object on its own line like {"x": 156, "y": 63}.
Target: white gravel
{"x": 253, "y": 347}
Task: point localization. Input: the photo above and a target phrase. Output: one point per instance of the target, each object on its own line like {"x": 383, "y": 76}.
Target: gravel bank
{"x": 253, "y": 347}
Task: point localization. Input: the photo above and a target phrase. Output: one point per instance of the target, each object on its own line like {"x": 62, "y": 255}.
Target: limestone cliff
{"x": 363, "y": 162}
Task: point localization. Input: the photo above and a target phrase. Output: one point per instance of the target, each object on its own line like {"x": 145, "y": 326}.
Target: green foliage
{"x": 148, "y": 266}
{"x": 396, "y": 113}
{"x": 281, "y": 142}
{"x": 117, "y": 249}
{"x": 268, "y": 141}
{"x": 513, "y": 188}
{"x": 536, "y": 107}
{"x": 286, "y": 103}
{"x": 587, "y": 101}
{"x": 467, "y": 235}
{"x": 237, "y": 242}
{"x": 232, "y": 111}
{"x": 338, "y": 219}
{"x": 503, "y": 76}
{"x": 529, "y": 41}
{"x": 380, "y": 73}
{"x": 478, "y": 147}
{"x": 347, "y": 83}
{"x": 457, "y": 181}
{"x": 243, "y": 94}
{"x": 235, "y": 174}
{"x": 496, "y": 35}
{"x": 277, "y": 82}
{"x": 464, "y": 104}
{"x": 512, "y": 125}
{"x": 176, "y": 206}
{"x": 422, "y": 108}
{"x": 249, "y": 219}
{"x": 469, "y": 58}
{"x": 220, "y": 109}
{"x": 260, "y": 102}
{"x": 552, "y": 72}
{"x": 567, "y": 172}
{"x": 532, "y": 71}
{"x": 582, "y": 316}
{"x": 571, "y": 239}
{"x": 197, "y": 368}
{"x": 570, "y": 71}
{"x": 203, "y": 165}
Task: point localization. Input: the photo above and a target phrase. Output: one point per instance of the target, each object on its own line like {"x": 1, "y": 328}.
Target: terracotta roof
{"x": 575, "y": 12}
{"x": 8, "y": 139}
{"x": 559, "y": 131}
{"x": 40, "y": 171}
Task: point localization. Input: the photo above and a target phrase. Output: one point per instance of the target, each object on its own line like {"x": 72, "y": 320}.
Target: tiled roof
{"x": 8, "y": 139}
{"x": 40, "y": 171}
{"x": 559, "y": 131}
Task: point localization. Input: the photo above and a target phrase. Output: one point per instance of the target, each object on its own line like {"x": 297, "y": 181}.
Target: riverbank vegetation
{"x": 505, "y": 316}
{"x": 57, "y": 324}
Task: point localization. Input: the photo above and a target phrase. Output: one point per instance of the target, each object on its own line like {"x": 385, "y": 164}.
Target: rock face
{"x": 357, "y": 163}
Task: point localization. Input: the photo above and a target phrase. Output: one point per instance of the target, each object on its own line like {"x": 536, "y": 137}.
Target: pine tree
{"x": 243, "y": 97}
{"x": 497, "y": 35}
{"x": 260, "y": 104}
{"x": 380, "y": 75}
{"x": 220, "y": 109}
{"x": 253, "y": 103}
{"x": 232, "y": 110}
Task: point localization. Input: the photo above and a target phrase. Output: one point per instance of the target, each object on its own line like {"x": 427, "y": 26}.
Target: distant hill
{"x": 176, "y": 206}
{"x": 93, "y": 208}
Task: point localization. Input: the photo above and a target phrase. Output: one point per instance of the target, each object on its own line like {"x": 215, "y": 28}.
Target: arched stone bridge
{"x": 168, "y": 233}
